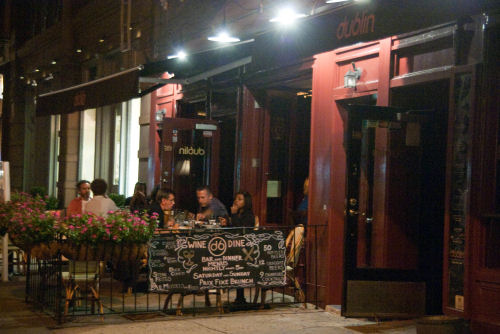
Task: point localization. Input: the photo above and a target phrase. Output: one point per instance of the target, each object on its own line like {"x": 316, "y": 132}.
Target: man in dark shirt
{"x": 209, "y": 206}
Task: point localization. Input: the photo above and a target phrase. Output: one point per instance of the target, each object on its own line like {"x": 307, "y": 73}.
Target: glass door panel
{"x": 190, "y": 158}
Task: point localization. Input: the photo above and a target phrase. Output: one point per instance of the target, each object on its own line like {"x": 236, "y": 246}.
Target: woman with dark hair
{"x": 242, "y": 216}
{"x": 241, "y": 210}
{"x": 138, "y": 202}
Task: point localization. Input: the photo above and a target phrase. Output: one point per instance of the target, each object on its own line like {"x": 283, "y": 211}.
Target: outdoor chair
{"x": 83, "y": 276}
{"x": 294, "y": 243}
{"x": 17, "y": 258}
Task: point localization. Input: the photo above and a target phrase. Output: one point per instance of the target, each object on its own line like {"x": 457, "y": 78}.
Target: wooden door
{"x": 381, "y": 274}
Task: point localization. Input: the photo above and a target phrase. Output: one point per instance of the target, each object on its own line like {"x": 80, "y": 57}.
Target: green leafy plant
{"x": 118, "y": 199}
{"x": 29, "y": 223}
{"x": 118, "y": 227}
{"x": 52, "y": 203}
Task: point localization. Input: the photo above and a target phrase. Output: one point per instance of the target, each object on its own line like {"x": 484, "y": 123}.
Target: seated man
{"x": 163, "y": 206}
{"x": 209, "y": 206}
{"x": 100, "y": 205}
{"x": 78, "y": 204}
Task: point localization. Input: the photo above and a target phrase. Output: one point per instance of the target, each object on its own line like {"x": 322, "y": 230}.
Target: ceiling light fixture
{"x": 287, "y": 16}
{"x": 181, "y": 55}
{"x": 53, "y": 62}
{"x": 223, "y": 35}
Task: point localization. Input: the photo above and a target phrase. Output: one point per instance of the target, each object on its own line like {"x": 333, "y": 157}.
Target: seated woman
{"x": 138, "y": 202}
{"x": 242, "y": 216}
{"x": 242, "y": 210}
{"x": 163, "y": 207}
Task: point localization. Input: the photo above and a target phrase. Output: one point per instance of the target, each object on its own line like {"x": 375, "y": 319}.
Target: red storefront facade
{"x": 403, "y": 167}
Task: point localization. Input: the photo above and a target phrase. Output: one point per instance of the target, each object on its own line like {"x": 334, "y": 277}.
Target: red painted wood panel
{"x": 326, "y": 190}
{"x": 252, "y": 154}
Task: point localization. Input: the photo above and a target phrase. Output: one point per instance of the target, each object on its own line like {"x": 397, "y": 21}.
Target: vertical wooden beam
{"x": 324, "y": 254}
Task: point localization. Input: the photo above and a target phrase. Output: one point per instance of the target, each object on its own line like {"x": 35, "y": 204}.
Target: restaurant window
{"x": 130, "y": 160}
{"x": 87, "y": 145}
{"x": 109, "y": 146}
{"x": 55, "y": 127}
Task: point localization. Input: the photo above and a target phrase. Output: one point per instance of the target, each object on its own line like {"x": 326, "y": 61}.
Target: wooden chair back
{"x": 294, "y": 243}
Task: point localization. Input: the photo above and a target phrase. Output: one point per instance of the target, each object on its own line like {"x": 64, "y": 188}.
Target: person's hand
{"x": 234, "y": 209}
{"x": 200, "y": 216}
{"x": 190, "y": 215}
{"x": 222, "y": 221}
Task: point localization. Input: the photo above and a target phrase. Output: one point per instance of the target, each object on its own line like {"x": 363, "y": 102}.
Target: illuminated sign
{"x": 189, "y": 150}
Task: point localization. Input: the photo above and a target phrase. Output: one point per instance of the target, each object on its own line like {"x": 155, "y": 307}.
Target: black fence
{"x": 67, "y": 289}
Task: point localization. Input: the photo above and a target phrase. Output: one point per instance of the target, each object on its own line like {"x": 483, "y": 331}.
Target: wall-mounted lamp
{"x": 160, "y": 114}
{"x": 351, "y": 77}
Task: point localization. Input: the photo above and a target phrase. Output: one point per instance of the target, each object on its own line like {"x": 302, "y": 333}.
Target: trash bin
{"x": 441, "y": 324}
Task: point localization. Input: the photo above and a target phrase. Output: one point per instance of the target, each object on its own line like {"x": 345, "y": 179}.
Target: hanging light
{"x": 286, "y": 16}
{"x": 223, "y": 35}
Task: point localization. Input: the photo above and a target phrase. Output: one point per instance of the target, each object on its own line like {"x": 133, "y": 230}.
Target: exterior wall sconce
{"x": 160, "y": 114}
{"x": 351, "y": 77}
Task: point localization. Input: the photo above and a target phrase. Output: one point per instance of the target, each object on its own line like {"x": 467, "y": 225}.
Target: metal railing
{"x": 67, "y": 289}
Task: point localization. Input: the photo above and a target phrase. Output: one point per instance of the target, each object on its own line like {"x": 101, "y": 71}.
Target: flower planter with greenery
{"x": 30, "y": 226}
{"x": 121, "y": 236}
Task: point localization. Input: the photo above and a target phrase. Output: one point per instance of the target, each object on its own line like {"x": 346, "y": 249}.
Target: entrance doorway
{"x": 190, "y": 158}
{"x": 396, "y": 160}
{"x": 286, "y": 157}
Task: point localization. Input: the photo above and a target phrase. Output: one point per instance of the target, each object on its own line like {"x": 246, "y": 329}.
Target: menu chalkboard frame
{"x": 201, "y": 259}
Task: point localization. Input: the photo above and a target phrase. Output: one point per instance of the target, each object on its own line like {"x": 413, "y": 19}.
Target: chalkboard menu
{"x": 201, "y": 260}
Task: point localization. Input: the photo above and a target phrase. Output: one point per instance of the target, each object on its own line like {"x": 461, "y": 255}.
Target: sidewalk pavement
{"x": 18, "y": 317}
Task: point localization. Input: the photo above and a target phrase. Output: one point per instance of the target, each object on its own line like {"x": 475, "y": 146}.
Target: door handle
{"x": 353, "y": 212}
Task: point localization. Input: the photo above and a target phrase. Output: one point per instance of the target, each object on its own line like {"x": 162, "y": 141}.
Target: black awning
{"x": 141, "y": 80}
{"x": 115, "y": 88}
{"x": 201, "y": 62}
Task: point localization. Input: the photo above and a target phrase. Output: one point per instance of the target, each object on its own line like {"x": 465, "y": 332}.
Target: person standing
{"x": 100, "y": 205}
{"x": 78, "y": 204}
{"x": 209, "y": 206}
